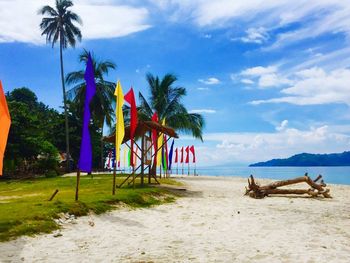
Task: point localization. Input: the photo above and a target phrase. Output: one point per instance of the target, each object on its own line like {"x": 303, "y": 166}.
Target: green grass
{"x": 25, "y": 209}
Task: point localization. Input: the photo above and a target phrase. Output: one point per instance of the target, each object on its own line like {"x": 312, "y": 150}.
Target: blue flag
{"x": 171, "y": 154}
{"x": 85, "y": 160}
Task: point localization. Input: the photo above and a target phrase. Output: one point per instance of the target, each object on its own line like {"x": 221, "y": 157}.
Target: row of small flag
{"x": 167, "y": 160}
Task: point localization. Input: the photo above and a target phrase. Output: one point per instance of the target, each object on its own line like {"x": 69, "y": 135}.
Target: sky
{"x": 271, "y": 78}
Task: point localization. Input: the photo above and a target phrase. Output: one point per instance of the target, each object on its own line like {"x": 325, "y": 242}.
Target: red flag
{"x": 155, "y": 138}
{"x": 176, "y": 155}
{"x": 193, "y": 153}
{"x": 188, "y": 154}
{"x": 182, "y": 154}
{"x": 130, "y": 98}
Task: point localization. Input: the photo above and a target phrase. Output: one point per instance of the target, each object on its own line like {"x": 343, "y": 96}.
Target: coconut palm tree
{"x": 59, "y": 25}
{"x": 102, "y": 103}
{"x": 165, "y": 100}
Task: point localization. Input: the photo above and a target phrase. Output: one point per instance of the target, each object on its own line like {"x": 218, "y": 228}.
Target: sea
{"x": 333, "y": 175}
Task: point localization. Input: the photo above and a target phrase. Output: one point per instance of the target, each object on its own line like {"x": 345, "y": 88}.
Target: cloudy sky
{"x": 272, "y": 78}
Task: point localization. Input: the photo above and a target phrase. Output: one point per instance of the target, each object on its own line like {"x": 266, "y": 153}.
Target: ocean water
{"x": 334, "y": 175}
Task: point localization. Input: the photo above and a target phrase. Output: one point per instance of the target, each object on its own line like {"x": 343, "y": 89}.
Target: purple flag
{"x": 85, "y": 160}
{"x": 171, "y": 155}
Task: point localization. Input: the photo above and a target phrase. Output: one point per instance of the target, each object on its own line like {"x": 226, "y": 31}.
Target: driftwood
{"x": 254, "y": 190}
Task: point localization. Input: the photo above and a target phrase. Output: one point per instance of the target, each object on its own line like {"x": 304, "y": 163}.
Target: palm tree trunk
{"x": 65, "y": 107}
{"x": 102, "y": 144}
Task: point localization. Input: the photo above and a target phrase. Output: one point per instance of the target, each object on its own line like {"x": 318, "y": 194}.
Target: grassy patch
{"x": 25, "y": 209}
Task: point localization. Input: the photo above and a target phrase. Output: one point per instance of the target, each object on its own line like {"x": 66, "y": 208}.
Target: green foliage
{"x": 36, "y": 136}
{"x": 102, "y": 103}
{"x": 165, "y": 100}
{"x": 28, "y": 212}
{"x": 29, "y": 148}
{"x": 59, "y": 24}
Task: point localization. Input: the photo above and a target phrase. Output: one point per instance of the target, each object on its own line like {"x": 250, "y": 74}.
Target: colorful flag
{"x": 182, "y": 155}
{"x": 119, "y": 118}
{"x": 188, "y": 154}
{"x": 129, "y": 158}
{"x": 154, "y": 138}
{"x": 193, "y": 153}
{"x": 85, "y": 160}
{"x": 166, "y": 154}
{"x": 176, "y": 155}
{"x": 171, "y": 154}
{"x": 160, "y": 147}
{"x": 130, "y": 98}
{"x": 5, "y": 123}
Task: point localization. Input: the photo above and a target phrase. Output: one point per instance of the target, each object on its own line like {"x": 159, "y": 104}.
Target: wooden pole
{"x": 77, "y": 186}
{"x": 114, "y": 176}
{"x": 142, "y": 159}
{"x": 53, "y": 195}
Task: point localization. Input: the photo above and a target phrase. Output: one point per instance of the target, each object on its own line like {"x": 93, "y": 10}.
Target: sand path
{"x": 214, "y": 224}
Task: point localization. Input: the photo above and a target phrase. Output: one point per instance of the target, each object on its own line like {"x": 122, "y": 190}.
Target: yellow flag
{"x": 119, "y": 127}
{"x": 160, "y": 143}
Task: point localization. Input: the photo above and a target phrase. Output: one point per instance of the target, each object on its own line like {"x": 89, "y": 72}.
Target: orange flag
{"x": 5, "y": 122}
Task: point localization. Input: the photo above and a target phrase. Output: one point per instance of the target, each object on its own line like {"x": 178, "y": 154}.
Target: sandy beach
{"x": 214, "y": 222}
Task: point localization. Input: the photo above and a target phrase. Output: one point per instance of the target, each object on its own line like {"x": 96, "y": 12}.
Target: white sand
{"x": 214, "y": 224}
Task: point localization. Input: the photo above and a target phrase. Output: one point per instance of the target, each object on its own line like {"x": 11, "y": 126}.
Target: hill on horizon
{"x": 308, "y": 159}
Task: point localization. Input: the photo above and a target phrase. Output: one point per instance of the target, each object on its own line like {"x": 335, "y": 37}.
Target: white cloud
{"x": 19, "y": 20}
{"x": 247, "y": 81}
{"x": 209, "y": 111}
{"x": 210, "y": 81}
{"x": 315, "y": 86}
{"x": 223, "y": 148}
{"x": 258, "y": 71}
{"x": 261, "y": 16}
{"x": 265, "y": 76}
{"x": 255, "y": 35}
{"x": 202, "y": 88}
{"x": 282, "y": 126}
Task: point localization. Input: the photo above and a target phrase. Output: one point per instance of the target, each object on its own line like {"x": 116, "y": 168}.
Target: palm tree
{"x": 59, "y": 26}
{"x": 102, "y": 103}
{"x": 165, "y": 100}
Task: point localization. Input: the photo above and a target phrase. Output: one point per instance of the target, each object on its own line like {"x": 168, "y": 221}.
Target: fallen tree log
{"x": 254, "y": 190}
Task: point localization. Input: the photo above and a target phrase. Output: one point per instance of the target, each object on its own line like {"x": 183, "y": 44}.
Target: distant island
{"x": 308, "y": 159}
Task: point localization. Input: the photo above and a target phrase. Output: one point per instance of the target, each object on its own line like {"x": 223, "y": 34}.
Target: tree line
{"x": 39, "y": 133}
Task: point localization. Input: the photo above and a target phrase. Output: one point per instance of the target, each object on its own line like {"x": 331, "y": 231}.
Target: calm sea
{"x": 334, "y": 175}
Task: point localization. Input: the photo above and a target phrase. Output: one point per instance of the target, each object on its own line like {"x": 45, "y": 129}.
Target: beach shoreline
{"x": 212, "y": 222}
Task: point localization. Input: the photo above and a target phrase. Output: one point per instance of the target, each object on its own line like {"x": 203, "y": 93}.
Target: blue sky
{"x": 272, "y": 78}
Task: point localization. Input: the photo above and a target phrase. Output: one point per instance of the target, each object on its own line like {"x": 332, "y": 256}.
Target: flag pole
{"x": 188, "y": 173}
{"x": 114, "y": 176}
{"x": 77, "y": 186}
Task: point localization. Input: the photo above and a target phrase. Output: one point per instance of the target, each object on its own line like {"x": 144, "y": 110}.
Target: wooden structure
{"x": 143, "y": 131}
{"x": 254, "y": 190}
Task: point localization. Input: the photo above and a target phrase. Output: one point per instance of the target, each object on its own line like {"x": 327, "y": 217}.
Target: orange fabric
{"x": 5, "y": 122}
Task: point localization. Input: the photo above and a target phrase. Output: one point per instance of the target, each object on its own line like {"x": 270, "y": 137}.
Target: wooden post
{"x": 133, "y": 177}
{"x": 53, "y": 195}
{"x": 143, "y": 154}
{"x": 114, "y": 176}
{"x": 77, "y": 186}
